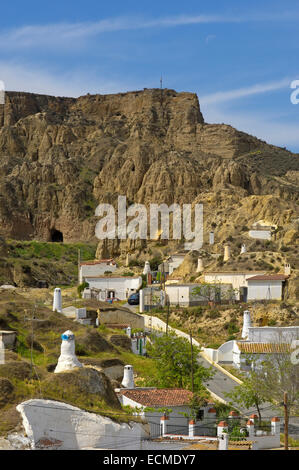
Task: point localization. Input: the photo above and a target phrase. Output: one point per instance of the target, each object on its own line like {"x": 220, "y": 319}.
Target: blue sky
{"x": 239, "y": 57}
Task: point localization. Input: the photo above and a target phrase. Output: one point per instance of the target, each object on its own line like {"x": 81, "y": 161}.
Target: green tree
{"x": 247, "y": 395}
{"x": 81, "y": 288}
{"x": 209, "y": 292}
{"x": 174, "y": 363}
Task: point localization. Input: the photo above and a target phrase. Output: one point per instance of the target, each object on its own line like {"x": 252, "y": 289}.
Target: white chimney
{"x": 287, "y": 269}
{"x": 128, "y": 380}
{"x": 246, "y": 324}
{"x": 129, "y": 331}
{"x": 57, "y": 300}
{"x": 226, "y": 253}
{"x": 243, "y": 249}
{"x": 67, "y": 359}
{"x": 211, "y": 238}
{"x": 147, "y": 268}
{"x": 199, "y": 265}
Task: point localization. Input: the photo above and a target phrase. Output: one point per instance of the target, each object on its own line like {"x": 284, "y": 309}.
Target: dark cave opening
{"x": 56, "y": 235}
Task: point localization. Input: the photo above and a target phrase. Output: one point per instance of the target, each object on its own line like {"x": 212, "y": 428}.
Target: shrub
{"x": 213, "y": 314}
{"x": 81, "y": 288}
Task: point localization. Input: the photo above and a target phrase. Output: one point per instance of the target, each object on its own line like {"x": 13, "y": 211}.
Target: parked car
{"x": 134, "y": 299}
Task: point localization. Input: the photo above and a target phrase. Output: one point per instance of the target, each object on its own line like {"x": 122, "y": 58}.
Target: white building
{"x": 184, "y": 296}
{"x": 96, "y": 268}
{"x": 260, "y": 342}
{"x": 250, "y": 285}
{"x": 114, "y": 287}
{"x": 244, "y": 352}
{"x": 261, "y": 231}
{"x": 176, "y": 399}
{"x": 266, "y": 286}
{"x": 151, "y": 297}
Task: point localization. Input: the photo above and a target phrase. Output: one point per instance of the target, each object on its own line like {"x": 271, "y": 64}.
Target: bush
{"x": 154, "y": 263}
{"x": 213, "y": 314}
{"x": 81, "y": 288}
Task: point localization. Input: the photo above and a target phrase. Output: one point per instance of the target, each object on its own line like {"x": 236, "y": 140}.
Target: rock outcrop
{"x": 54, "y": 425}
{"x": 60, "y": 157}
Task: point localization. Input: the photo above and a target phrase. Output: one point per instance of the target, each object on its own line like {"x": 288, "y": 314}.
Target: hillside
{"x": 60, "y": 157}
{"x": 100, "y": 350}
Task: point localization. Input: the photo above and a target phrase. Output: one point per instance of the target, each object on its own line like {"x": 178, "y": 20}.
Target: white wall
{"x": 237, "y": 280}
{"x": 72, "y": 428}
{"x": 98, "y": 269}
{"x": 225, "y": 352}
{"x": 260, "y": 234}
{"x": 273, "y": 334}
{"x": 259, "y": 290}
{"x": 123, "y": 286}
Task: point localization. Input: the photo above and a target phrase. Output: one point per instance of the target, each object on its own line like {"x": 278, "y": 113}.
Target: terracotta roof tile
{"x": 268, "y": 277}
{"x": 263, "y": 348}
{"x": 101, "y": 261}
{"x": 159, "y": 397}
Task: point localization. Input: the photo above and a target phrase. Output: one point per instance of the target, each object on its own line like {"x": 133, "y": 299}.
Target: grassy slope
{"x": 25, "y": 262}
{"x": 39, "y": 382}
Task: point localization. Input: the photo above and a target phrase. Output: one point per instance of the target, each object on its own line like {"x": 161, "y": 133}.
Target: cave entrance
{"x": 56, "y": 235}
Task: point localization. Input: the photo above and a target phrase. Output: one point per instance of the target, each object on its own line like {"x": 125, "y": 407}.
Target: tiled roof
{"x": 101, "y": 261}
{"x": 264, "y": 348}
{"x": 117, "y": 326}
{"x": 159, "y": 397}
{"x": 268, "y": 277}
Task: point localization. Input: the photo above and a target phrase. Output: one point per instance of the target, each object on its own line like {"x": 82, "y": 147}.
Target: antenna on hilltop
{"x": 161, "y": 82}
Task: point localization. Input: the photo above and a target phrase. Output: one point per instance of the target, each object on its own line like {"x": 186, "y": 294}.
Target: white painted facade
{"x": 273, "y": 334}
{"x": 236, "y": 279}
{"x": 114, "y": 287}
{"x": 97, "y": 268}
{"x": 267, "y": 289}
{"x": 182, "y": 294}
{"x": 260, "y": 234}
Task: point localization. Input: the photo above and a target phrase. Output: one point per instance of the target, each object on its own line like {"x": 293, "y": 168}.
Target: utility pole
{"x": 79, "y": 265}
{"x": 32, "y": 319}
{"x": 192, "y": 371}
{"x": 167, "y": 318}
{"x": 286, "y": 421}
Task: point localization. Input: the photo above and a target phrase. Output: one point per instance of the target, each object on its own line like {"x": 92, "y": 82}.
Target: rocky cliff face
{"x": 61, "y": 157}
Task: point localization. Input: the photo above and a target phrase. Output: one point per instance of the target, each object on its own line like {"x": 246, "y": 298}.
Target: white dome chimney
{"x": 243, "y": 249}
{"x": 226, "y": 256}
{"x": 199, "y": 265}
{"x": 246, "y": 324}
{"x": 57, "y": 300}
{"x": 128, "y": 380}
{"x": 67, "y": 359}
{"x": 147, "y": 268}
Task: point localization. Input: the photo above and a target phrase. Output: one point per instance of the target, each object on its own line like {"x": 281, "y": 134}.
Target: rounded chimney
{"x": 199, "y": 265}
{"x": 57, "y": 300}
{"x": 128, "y": 380}
{"x": 246, "y": 324}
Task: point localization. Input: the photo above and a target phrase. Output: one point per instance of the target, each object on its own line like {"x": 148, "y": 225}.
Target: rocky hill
{"x": 60, "y": 157}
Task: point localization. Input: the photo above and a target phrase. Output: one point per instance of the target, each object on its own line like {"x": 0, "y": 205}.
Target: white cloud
{"x": 66, "y": 33}
{"x": 221, "y": 96}
{"x": 27, "y": 77}
{"x": 264, "y": 126}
